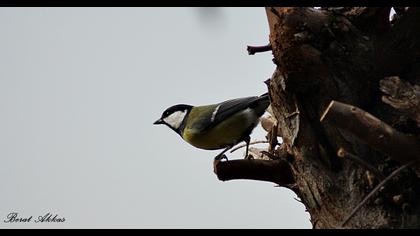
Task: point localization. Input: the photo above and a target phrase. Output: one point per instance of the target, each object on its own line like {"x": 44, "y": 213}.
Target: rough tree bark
{"x": 371, "y": 67}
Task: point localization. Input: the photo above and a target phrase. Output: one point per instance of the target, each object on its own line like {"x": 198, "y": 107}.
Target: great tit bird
{"x": 216, "y": 126}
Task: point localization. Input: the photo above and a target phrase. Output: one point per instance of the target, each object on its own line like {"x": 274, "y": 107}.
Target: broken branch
{"x": 381, "y": 136}
{"x": 256, "y": 49}
{"x": 276, "y": 171}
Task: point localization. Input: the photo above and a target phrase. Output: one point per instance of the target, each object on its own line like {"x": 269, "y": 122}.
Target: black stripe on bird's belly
{"x": 181, "y": 128}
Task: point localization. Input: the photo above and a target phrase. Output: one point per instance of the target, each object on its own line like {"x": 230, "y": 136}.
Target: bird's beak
{"x": 158, "y": 122}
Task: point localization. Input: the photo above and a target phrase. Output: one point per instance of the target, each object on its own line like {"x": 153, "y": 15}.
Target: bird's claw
{"x": 221, "y": 157}
{"x": 249, "y": 157}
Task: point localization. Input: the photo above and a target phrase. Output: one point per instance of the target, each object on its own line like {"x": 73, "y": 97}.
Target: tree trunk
{"x": 370, "y": 67}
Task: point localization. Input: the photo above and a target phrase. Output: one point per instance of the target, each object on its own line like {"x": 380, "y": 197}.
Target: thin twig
{"x": 292, "y": 114}
{"x": 344, "y": 154}
{"x": 251, "y": 143}
{"x": 395, "y": 172}
{"x": 256, "y": 49}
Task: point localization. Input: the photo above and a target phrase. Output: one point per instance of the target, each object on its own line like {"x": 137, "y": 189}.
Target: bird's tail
{"x": 262, "y": 103}
{"x": 264, "y": 95}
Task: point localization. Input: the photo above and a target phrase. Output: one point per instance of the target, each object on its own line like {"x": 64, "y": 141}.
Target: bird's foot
{"x": 221, "y": 157}
{"x": 249, "y": 157}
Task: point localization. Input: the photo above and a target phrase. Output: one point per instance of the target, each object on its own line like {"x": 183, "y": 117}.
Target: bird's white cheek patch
{"x": 175, "y": 119}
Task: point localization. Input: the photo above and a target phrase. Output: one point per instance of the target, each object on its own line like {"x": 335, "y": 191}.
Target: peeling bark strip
{"x": 372, "y": 20}
{"x": 372, "y": 131}
{"x": 402, "y": 96}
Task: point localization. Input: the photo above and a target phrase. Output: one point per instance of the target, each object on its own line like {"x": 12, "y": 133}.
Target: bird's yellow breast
{"x": 227, "y": 132}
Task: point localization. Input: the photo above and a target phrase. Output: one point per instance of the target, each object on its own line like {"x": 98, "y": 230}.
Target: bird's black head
{"x": 174, "y": 116}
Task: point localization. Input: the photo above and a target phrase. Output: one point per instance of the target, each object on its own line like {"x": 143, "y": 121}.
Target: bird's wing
{"x": 228, "y": 108}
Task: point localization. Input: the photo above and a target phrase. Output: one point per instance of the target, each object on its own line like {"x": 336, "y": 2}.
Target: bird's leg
{"x": 221, "y": 155}
{"x": 247, "y": 140}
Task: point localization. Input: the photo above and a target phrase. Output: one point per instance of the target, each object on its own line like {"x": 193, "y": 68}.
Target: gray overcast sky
{"x": 79, "y": 91}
